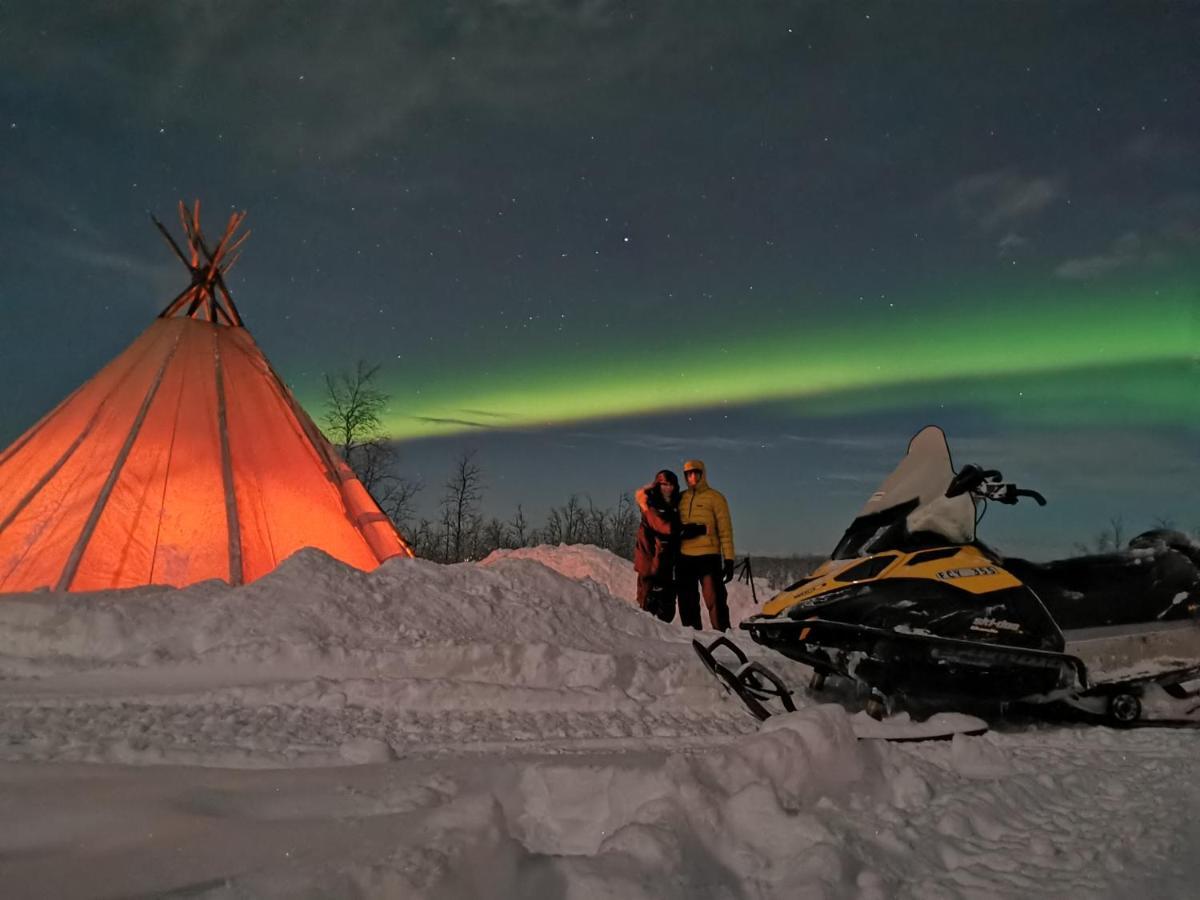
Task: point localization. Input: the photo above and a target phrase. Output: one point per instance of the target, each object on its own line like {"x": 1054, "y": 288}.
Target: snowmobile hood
{"x": 888, "y": 574}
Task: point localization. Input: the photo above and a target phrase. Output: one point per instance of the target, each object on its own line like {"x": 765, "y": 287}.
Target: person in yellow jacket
{"x": 705, "y": 563}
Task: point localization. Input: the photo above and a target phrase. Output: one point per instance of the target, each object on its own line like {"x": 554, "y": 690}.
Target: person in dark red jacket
{"x": 658, "y": 544}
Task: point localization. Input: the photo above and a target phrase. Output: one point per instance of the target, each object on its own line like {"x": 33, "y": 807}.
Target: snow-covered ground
{"x": 515, "y": 728}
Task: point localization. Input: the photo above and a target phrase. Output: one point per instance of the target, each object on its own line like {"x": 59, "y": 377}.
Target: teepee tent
{"x": 185, "y": 458}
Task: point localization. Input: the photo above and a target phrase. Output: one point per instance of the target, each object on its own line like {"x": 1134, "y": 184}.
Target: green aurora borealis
{"x": 1128, "y": 356}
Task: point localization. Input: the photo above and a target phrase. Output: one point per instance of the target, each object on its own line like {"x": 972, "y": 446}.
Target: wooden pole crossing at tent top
{"x": 207, "y": 295}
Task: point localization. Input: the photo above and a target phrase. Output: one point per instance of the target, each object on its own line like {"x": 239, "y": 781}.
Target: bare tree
{"x": 780, "y": 571}
{"x": 625, "y": 525}
{"x": 552, "y": 531}
{"x": 493, "y": 536}
{"x": 397, "y": 497}
{"x": 519, "y": 528}
{"x": 574, "y": 520}
{"x": 566, "y": 524}
{"x": 1113, "y": 537}
{"x": 354, "y": 406}
{"x": 573, "y": 523}
{"x": 460, "y": 504}
{"x": 596, "y": 525}
{"x": 423, "y": 539}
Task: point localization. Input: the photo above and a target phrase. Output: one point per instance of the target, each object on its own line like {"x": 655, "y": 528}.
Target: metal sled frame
{"x": 753, "y": 683}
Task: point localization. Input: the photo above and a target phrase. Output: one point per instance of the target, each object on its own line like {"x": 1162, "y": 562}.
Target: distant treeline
{"x": 460, "y": 531}
{"x": 781, "y": 571}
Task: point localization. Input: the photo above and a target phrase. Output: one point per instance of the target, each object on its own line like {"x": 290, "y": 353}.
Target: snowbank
{"x": 515, "y": 728}
{"x": 616, "y": 575}
{"x": 320, "y": 663}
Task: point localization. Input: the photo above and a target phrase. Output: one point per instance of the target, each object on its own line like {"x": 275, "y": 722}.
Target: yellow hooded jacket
{"x": 707, "y": 506}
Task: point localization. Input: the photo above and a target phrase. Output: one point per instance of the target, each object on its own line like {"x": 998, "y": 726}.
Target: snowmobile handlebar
{"x": 986, "y": 484}
{"x": 1024, "y": 492}
{"x": 969, "y": 479}
{"x": 1003, "y": 492}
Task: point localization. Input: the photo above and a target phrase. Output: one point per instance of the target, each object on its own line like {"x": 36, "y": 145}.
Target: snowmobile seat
{"x": 1138, "y": 585}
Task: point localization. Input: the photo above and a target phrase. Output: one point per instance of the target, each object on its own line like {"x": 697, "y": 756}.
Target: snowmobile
{"x": 913, "y": 607}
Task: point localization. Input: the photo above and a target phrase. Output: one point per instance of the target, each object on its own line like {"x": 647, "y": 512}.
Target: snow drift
{"x": 514, "y": 728}
{"x": 318, "y": 658}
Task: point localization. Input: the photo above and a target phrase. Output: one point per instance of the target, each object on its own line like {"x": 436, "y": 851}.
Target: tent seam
{"x": 232, "y": 526}
{"x": 89, "y": 528}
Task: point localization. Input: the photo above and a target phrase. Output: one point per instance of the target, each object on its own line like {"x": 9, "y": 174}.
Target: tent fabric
{"x": 183, "y": 459}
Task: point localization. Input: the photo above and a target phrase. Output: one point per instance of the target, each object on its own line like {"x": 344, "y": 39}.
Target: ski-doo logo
{"x": 950, "y": 574}
{"x": 993, "y": 626}
{"x": 811, "y": 589}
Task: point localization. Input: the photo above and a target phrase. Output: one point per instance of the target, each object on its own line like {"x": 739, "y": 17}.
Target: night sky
{"x": 588, "y": 240}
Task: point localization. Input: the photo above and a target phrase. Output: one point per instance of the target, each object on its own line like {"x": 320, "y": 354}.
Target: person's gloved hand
{"x": 728, "y": 571}
{"x": 692, "y": 529}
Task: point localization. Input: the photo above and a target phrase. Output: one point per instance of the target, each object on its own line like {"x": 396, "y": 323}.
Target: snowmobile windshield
{"x": 911, "y": 511}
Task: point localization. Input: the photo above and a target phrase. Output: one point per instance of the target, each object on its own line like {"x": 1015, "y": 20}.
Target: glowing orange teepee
{"x": 185, "y": 458}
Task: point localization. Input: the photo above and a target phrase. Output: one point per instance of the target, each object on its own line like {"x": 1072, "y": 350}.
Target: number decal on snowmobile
{"x": 950, "y": 574}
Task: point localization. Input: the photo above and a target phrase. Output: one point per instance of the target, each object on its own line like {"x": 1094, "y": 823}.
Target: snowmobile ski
{"x": 900, "y": 728}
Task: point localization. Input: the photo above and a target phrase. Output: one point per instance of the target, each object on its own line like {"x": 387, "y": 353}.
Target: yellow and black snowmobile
{"x": 912, "y": 605}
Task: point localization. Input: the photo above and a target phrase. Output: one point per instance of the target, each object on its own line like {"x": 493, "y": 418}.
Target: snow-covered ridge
{"x": 316, "y": 657}
{"x": 514, "y": 728}
{"x": 583, "y": 561}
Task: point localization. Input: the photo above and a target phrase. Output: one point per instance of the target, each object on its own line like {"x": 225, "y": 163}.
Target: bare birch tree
{"x": 353, "y": 418}
{"x": 460, "y": 514}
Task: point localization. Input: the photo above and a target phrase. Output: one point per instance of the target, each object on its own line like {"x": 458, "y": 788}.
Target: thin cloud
{"x": 1010, "y": 245}
{"x": 113, "y": 261}
{"x": 486, "y": 414}
{"x": 676, "y": 444}
{"x": 1000, "y": 198}
{"x": 1126, "y": 250}
{"x": 1177, "y": 230}
{"x": 438, "y": 420}
{"x": 1180, "y": 215}
{"x": 1154, "y": 147}
{"x": 370, "y": 71}
{"x": 848, "y": 443}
